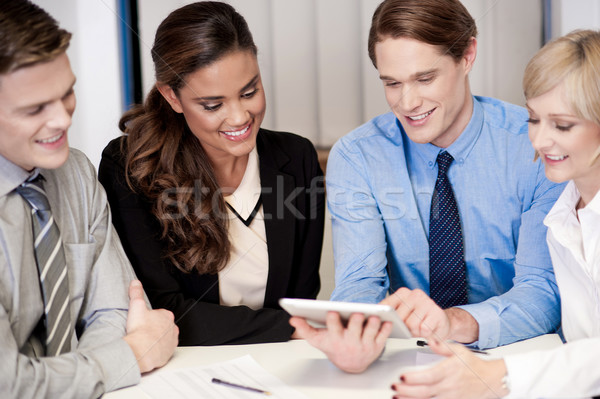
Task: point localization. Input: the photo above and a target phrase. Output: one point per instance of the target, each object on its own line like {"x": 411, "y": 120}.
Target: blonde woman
{"x": 562, "y": 88}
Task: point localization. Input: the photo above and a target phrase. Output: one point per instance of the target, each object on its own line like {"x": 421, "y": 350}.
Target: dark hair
{"x": 443, "y": 23}
{"x": 164, "y": 161}
{"x": 28, "y": 36}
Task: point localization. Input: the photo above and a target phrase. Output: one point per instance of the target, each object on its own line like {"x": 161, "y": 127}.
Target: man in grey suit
{"x": 69, "y": 325}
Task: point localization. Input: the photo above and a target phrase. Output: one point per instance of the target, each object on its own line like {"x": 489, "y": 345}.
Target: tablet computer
{"x": 315, "y": 311}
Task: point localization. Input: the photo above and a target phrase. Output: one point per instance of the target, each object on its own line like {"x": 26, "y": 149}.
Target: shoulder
{"x": 114, "y": 150}
{"x": 505, "y": 116}
{"x": 288, "y": 143}
{"x": 76, "y": 177}
{"x": 77, "y": 167}
{"x": 377, "y": 133}
{"x": 378, "y": 137}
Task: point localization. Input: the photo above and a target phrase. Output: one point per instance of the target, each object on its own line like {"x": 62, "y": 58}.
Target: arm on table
{"x": 532, "y": 306}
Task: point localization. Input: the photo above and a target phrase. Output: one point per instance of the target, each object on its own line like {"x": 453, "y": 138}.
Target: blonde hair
{"x": 572, "y": 61}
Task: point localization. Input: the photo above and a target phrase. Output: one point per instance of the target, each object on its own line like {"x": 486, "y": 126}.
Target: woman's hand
{"x": 462, "y": 375}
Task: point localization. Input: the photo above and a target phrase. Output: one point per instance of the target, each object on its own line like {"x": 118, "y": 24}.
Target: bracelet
{"x": 506, "y": 383}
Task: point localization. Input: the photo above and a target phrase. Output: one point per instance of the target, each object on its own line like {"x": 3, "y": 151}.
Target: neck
{"x": 229, "y": 172}
{"x": 587, "y": 190}
{"x": 460, "y": 123}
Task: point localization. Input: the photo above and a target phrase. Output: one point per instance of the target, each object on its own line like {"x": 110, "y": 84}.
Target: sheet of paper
{"x": 196, "y": 382}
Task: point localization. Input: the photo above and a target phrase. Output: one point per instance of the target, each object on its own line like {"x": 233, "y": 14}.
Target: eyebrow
{"x": 248, "y": 85}
{"x": 25, "y": 107}
{"x": 414, "y": 76}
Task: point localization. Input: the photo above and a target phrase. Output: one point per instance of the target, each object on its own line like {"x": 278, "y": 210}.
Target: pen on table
{"x": 231, "y": 384}
{"x": 424, "y": 343}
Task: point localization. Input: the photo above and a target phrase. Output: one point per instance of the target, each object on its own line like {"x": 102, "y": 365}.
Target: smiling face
{"x": 427, "y": 91}
{"x": 36, "y": 105}
{"x": 223, "y": 105}
{"x": 566, "y": 143}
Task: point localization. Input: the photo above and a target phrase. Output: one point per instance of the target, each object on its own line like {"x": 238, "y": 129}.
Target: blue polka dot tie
{"x": 447, "y": 269}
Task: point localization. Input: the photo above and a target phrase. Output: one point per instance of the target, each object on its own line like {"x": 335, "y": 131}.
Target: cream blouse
{"x": 243, "y": 281}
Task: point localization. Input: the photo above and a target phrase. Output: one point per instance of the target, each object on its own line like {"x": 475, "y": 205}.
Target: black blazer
{"x": 294, "y": 207}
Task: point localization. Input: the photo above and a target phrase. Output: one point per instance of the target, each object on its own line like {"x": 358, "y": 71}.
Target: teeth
{"x": 556, "y": 157}
{"x": 419, "y": 117}
{"x": 238, "y": 133}
{"x": 51, "y": 139}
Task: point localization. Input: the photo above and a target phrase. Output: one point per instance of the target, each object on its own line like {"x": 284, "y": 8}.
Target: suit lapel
{"x": 280, "y": 221}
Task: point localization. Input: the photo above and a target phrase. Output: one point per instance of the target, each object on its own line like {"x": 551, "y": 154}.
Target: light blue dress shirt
{"x": 379, "y": 188}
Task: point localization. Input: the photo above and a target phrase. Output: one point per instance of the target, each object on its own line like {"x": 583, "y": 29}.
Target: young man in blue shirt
{"x": 381, "y": 179}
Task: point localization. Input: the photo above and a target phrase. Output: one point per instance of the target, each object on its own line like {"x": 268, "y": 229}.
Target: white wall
{"x": 568, "y": 15}
{"x": 313, "y": 55}
{"x": 318, "y": 78}
{"x": 94, "y": 58}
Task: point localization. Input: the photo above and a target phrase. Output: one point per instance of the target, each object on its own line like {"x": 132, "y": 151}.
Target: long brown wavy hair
{"x": 165, "y": 162}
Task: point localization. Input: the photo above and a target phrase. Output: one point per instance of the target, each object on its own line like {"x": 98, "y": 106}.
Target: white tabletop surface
{"x": 307, "y": 370}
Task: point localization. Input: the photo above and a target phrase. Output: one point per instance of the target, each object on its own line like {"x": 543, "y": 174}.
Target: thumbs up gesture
{"x": 151, "y": 334}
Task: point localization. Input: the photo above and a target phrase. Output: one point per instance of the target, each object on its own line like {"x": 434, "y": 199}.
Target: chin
{"x": 55, "y": 161}
{"x": 557, "y": 179}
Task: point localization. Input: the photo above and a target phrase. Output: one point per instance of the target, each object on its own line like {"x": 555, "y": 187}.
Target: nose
{"x": 540, "y": 136}
{"x": 238, "y": 115}
{"x": 61, "y": 115}
{"x": 410, "y": 100}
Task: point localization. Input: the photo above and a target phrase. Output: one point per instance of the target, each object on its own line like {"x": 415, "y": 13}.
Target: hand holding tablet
{"x": 316, "y": 312}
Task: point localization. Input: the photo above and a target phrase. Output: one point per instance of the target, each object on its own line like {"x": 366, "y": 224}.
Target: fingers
{"x": 421, "y": 314}
{"x": 395, "y": 300}
{"x": 136, "y": 291}
{"x": 384, "y": 333}
{"x": 303, "y": 329}
{"x": 334, "y": 324}
{"x": 137, "y": 304}
{"x": 371, "y": 329}
{"x": 448, "y": 349}
{"x": 356, "y": 326}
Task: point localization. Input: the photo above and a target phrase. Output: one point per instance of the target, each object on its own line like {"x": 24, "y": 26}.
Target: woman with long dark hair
{"x": 219, "y": 217}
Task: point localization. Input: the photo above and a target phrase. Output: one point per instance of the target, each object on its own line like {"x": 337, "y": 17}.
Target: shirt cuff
{"x": 118, "y": 364}
{"x": 518, "y": 367}
{"x": 488, "y": 320}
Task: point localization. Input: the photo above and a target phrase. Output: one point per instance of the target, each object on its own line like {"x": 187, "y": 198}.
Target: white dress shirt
{"x": 572, "y": 370}
{"x": 244, "y": 280}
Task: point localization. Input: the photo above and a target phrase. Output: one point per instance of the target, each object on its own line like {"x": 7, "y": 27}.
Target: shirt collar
{"x": 244, "y": 198}
{"x": 463, "y": 145}
{"x": 11, "y": 176}
{"x": 564, "y": 207}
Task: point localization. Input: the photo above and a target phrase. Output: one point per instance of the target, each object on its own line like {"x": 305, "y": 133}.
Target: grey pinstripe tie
{"x": 52, "y": 268}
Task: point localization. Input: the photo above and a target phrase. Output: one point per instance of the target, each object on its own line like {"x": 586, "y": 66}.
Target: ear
{"x": 470, "y": 55}
{"x": 169, "y": 94}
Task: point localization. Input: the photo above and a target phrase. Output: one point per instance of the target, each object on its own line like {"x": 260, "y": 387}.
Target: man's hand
{"x": 151, "y": 334}
{"x": 424, "y": 318}
{"x": 352, "y": 348}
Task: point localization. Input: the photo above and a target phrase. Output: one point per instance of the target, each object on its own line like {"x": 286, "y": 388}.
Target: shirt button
{"x": 430, "y": 163}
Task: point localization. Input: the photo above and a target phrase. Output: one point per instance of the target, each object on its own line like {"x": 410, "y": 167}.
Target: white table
{"x": 306, "y": 369}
